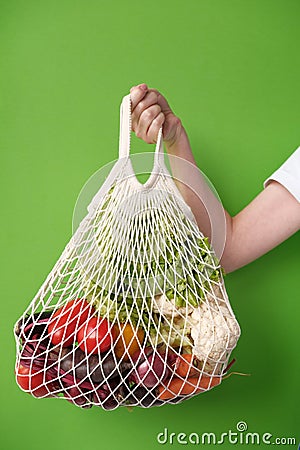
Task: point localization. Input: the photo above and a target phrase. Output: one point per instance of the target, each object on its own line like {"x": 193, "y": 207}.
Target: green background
{"x": 231, "y": 71}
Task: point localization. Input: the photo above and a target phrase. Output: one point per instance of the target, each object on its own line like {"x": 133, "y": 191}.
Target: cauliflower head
{"x": 214, "y": 331}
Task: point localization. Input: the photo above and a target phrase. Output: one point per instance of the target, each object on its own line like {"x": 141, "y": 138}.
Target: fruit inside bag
{"x": 135, "y": 311}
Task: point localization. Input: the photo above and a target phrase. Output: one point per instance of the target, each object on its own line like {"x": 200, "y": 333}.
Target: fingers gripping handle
{"x": 125, "y": 132}
{"x": 124, "y": 152}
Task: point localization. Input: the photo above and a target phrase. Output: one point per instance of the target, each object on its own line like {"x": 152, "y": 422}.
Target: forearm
{"x": 268, "y": 220}
{"x": 212, "y": 219}
{"x": 271, "y": 218}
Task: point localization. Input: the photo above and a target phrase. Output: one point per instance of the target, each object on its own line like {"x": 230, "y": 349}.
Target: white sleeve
{"x": 289, "y": 174}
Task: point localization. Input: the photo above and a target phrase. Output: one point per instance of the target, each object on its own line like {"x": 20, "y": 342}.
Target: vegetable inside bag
{"x": 135, "y": 311}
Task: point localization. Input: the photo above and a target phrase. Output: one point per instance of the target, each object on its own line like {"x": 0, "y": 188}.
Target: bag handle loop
{"x": 124, "y": 140}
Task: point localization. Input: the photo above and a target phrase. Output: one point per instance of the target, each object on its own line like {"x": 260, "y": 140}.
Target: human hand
{"x": 150, "y": 111}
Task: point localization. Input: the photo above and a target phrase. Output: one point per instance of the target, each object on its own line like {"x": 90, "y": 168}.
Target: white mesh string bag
{"x": 134, "y": 312}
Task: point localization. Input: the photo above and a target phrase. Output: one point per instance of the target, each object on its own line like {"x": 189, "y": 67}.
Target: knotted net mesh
{"x": 135, "y": 311}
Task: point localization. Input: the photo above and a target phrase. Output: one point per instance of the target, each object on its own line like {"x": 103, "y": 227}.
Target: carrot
{"x": 187, "y": 366}
{"x": 192, "y": 385}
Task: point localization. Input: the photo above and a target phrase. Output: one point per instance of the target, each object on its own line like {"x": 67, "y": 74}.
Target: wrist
{"x": 180, "y": 138}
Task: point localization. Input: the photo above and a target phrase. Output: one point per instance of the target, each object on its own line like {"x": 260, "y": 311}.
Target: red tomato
{"x": 31, "y": 381}
{"x": 66, "y": 319}
{"x": 96, "y": 335}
